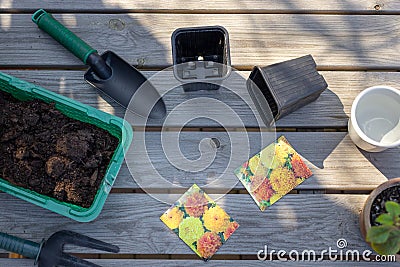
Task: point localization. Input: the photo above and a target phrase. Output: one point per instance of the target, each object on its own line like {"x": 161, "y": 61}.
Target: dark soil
{"x": 378, "y": 206}
{"x": 43, "y": 150}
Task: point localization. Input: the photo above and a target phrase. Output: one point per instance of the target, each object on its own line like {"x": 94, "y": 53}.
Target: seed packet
{"x": 199, "y": 222}
{"x": 272, "y": 173}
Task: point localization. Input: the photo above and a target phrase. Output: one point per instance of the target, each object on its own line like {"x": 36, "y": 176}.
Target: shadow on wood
{"x": 387, "y": 162}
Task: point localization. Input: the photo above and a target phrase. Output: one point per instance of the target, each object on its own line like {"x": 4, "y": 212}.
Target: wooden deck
{"x": 355, "y": 45}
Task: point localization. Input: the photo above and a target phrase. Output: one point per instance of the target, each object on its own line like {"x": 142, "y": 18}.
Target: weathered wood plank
{"x": 335, "y": 161}
{"x": 256, "y": 39}
{"x": 339, "y": 165}
{"x": 132, "y": 222}
{"x": 331, "y": 109}
{"x": 212, "y": 263}
{"x": 248, "y": 6}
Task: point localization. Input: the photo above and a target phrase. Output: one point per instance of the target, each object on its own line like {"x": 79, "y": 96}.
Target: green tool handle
{"x": 20, "y": 246}
{"x": 68, "y": 39}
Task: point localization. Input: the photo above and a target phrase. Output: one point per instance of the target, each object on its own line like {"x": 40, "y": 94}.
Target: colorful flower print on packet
{"x": 273, "y": 173}
{"x": 199, "y": 222}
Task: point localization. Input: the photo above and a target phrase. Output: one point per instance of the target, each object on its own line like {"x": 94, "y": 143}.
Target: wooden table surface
{"x": 355, "y": 44}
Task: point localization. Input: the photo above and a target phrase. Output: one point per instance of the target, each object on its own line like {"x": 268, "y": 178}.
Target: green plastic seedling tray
{"x": 118, "y": 127}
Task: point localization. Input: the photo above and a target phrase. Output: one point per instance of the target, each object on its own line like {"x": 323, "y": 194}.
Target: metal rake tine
{"x": 88, "y": 242}
{"x": 71, "y": 261}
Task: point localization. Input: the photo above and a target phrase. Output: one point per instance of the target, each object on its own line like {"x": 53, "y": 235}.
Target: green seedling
{"x": 385, "y": 238}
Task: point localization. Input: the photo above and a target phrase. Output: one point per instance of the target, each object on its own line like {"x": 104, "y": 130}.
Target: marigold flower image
{"x": 267, "y": 156}
{"x": 243, "y": 169}
{"x": 264, "y": 191}
{"x": 282, "y": 152}
{"x": 172, "y": 217}
{"x": 196, "y": 204}
{"x": 300, "y": 169}
{"x": 285, "y": 146}
{"x": 244, "y": 172}
{"x": 190, "y": 230}
{"x": 232, "y": 226}
{"x": 216, "y": 219}
{"x": 256, "y": 181}
{"x": 275, "y": 198}
{"x": 254, "y": 163}
{"x": 282, "y": 180}
{"x": 245, "y": 165}
{"x": 208, "y": 244}
{"x": 275, "y": 155}
{"x": 258, "y": 178}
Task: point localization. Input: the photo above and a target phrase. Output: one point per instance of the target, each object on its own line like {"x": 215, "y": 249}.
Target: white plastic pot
{"x": 374, "y": 124}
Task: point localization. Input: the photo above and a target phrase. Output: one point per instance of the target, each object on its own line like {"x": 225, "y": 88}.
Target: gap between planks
{"x": 375, "y": 10}
{"x": 213, "y": 7}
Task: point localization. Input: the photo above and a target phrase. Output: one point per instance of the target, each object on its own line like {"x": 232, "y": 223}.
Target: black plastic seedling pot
{"x": 286, "y": 86}
{"x": 201, "y": 57}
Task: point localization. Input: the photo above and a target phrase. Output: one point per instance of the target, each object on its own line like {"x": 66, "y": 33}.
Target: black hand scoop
{"x": 50, "y": 253}
{"x": 109, "y": 73}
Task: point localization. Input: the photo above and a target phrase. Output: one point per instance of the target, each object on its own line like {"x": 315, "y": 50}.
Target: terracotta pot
{"x": 365, "y": 222}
